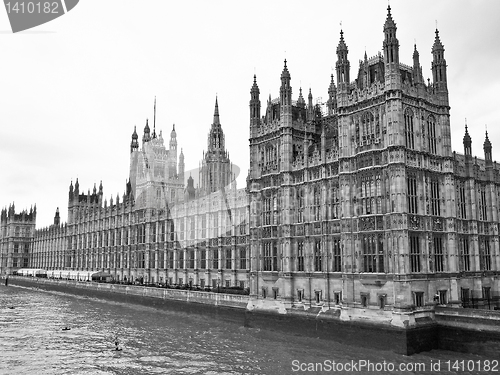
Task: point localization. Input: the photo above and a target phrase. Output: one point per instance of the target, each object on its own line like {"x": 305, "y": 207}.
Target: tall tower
{"x": 391, "y": 53}
{"x": 172, "y": 153}
{"x": 439, "y": 66}
{"x": 216, "y": 167}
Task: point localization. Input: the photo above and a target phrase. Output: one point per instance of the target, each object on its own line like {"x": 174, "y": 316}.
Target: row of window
{"x": 428, "y": 131}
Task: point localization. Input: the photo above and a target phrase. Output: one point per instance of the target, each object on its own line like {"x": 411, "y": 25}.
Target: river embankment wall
{"x": 457, "y": 329}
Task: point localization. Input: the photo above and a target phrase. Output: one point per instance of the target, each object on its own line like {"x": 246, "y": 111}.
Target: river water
{"x": 162, "y": 342}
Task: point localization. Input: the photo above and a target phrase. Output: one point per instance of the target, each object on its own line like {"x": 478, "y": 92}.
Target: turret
{"x": 417, "y": 69}
{"x": 146, "y": 137}
{"x": 332, "y": 97}
{"x": 439, "y": 65}
{"x": 310, "y": 106}
{"x": 487, "y": 149}
{"x": 467, "y": 143}
{"x": 391, "y": 43}
{"x": 57, "y": 219}
{"x": 285, "y": 89}
{"x": 342, "y": 65}
{"x": 254, "y": 105}
{"x": 134, "y": 145}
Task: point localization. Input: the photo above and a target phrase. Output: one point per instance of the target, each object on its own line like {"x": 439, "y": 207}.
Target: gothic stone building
{"x": 362, "y": 209}
{"x": 161, "y": 231}
{"x": 16, "y": 234}
{"x": 366, "y": 206}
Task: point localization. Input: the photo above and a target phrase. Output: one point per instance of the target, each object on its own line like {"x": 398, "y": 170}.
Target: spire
{"x": 342, "y": 65}
{"x": 332, "y": 97}
{"x": 146, "y": 137}
{"x": 154, "y": 121}
{"x": 417, "y": 70}
{"x": 300, "y": 101}
{"x": 134, "y": 145}
{"x": 285, "y": 89}
{"x": 254, "y": 103}
{"x": 389, "y": 22}
{"x": 439, "y": 63}
{"x": 216, "y": 113}
{"x": 391, "y": 43}
{"x": 467, "y": 141}
{"x": 487, "y": 148}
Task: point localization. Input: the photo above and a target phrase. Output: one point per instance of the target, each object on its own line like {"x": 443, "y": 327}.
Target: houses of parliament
{"x": 362, "y": 208}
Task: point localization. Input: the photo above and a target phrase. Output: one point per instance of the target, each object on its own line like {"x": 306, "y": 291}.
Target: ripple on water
{"x": 153, "y": 341}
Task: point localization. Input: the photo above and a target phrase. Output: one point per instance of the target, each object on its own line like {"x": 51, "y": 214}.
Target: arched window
{"x": 409, "y": 134}
{"x": 431, "y": 134}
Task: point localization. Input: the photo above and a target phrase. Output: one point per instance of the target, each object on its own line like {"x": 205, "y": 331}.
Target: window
{"x": 228, "y": 283}
{"x": 418, "y": 299}
{"x": 336, "y": 255}
{"x": 270, "y": 256}
{"x": 337, "y": 297}
{"x": 243, "y": 259}
{"x": 483, "y": 211}
{"x": 373, "y": 254}
{"x": 300, "y": 295}
{"x": 191, "y": 258}
{"x": 443, "y": 300}
{"x": 317, "y": 204}
{"x": 410, "y": 141}
{"x": 275, "y": 293}
{"x": 318, "y": 259}
{"x": 181, "y": 259}
{"x": 215, "y": 258}
{"x": 300, "y": 205}
{"x": 431, "y": 134}
{"x": 318, "y": 294}
{"x": 266, "y": 211}
{"x": 435, "y": 206}
{"x": 203, "y": 259}
{"x": 461, "y": 200}
{"x": 411, "y": 182}
{"x": 264, "y": 292}
{"x": 300, "y": 256}
{"x": 484, "y": 254}
{"x": 364, "y": 299}
{"x": 228, "y": 259}
{"x": 465, "y": 296}
{"x": 438, "y": 254}
{"x": 242, "y": 284}
{"x": 415, "y": 265}
{"x": 463, "y": 248}
{"x": 381, "y": 301}
{"x": 334, "y": 203}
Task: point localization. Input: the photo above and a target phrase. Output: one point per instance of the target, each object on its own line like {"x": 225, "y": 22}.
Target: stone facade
{"x": 16, "y": 234}
{"x": 363, "y": 206}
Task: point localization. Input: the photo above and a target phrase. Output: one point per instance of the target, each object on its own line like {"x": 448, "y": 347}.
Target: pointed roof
{"x": 134, "y": 134}
{"x": 285, "y": 73}
{"x": 437, "y": 43}
{"x": 487, "y": 143}
{"x": 216, "y": 113}
{"x": 342, "y": 46}
{"x": 255, "y": 88}
{"x": 467, "y": 138}
{"x": 332, "y": 88}
{"x": 173, "y": 134}
{"x": 389, "y": 22}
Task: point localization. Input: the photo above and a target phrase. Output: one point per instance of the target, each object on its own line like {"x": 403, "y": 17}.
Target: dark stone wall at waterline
{"x": 229, "y": 308}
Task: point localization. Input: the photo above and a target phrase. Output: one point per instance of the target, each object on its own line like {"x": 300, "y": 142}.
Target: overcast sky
{"x": 72, "y": 90}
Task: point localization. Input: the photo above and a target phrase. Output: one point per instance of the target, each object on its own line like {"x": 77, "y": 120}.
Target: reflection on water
{"x": 159, "y": 342}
